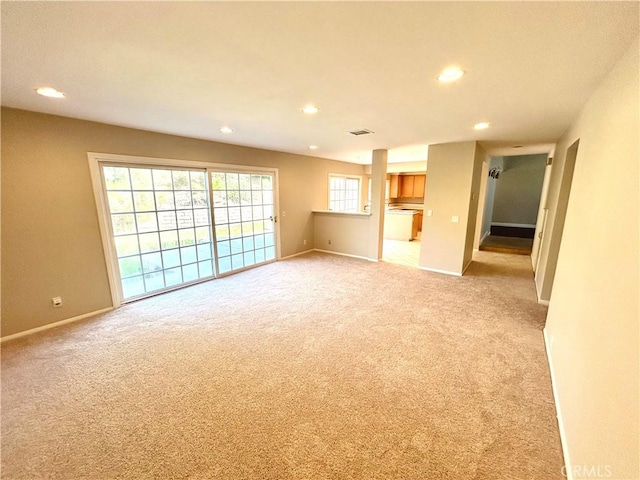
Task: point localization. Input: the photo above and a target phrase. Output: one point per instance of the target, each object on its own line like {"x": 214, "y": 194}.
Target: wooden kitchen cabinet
{"x": 406, "y": 186}
{"x": 393, "y": 186}
{"x": 416, "y": 225}
{"x": 419, "y": 182}
{"x": 411, "y": 186}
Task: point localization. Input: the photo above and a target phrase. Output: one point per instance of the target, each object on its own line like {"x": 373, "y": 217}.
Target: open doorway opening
{"x": 513, "y": 193}
{"x": 404, "y": 203}
{"x": 551, "y": 237}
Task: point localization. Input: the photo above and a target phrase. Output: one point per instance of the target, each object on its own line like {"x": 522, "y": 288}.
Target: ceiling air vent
{"x": 364, "y": 131}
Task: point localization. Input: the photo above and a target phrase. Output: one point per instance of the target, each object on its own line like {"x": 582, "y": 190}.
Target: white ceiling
{"x": 188, "y": 68}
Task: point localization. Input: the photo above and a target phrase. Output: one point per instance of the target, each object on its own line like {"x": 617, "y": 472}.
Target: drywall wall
{"x": 452, "y": 171}
{"x": 51, "y": 242}
{"x": 472, "y": 214}
{"x": 592, "y": 325}
{"x": 517, "y": 190}
{"x": 342, "y": 233}
{"x": 416, "y": 167}
{"x": 496, "y": 162}
{"x": 376, "y": 221}
{"x": 408, "y": 167}
{"x": 542, "y": 209}
{"x": 552, "y": 235}
{"x": 484, "y": 177}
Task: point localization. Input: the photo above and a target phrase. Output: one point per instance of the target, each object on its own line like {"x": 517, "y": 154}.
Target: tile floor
{"x": 401, "y": 252}
{"x": 408, "y": 253}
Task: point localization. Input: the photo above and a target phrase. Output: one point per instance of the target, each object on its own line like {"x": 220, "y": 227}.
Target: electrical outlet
{"x": 57, "y": 301}
{"x": 304, "y": 242}
{"x": 329, "y": 242}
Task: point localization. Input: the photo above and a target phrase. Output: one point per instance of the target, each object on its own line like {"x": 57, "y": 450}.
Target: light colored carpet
{"x": 317, "y": 367}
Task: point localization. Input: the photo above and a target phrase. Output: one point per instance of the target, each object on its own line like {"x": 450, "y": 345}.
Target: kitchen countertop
{"x": 410, "y": 206}
{"x": 401, "y": 211}
{"x": 360, "y": 214}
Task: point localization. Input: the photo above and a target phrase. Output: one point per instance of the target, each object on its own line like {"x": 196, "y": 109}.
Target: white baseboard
{"x": 297, "y": 254}
{"x": 435, "y": 270}
{"x": 343, "y": 254}
{"x": 517, "y": 225}
{"x": 563, "y": 437}
{"x": 55, "y": 324}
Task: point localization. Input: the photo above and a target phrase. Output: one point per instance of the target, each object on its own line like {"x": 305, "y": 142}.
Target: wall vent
{"x": 364, "y": 131}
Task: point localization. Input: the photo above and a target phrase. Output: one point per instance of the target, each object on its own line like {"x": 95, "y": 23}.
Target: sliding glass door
{"x": 244, "y": 218}
{"x": 173, "y": 224}
{"x": 161, "y": 225}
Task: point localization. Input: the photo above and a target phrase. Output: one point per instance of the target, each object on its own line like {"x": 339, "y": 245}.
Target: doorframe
{"x": 554, "y": 224}
{"x": 543, "y": 211}
{"x": 229, "y": 168}
{"x": 111, "y": 258}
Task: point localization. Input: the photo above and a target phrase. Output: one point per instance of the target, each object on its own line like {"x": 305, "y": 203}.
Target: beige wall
{"x": 51, "y": 242}
{"x": 454, "y": 171}
{"x": 417, "y": 167}
{"x": 472, "y": 214}
{"x": 592, "y": 325}
{"x": 376, "y": 221}
{"x": 349, "y": 234}
{"x": 482, "y": 197}
{"x": 518, "y": 189}
{"x": 540, "y": 219}
{"x": 490, "y": 195}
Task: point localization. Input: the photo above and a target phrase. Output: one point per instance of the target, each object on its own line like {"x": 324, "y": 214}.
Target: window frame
{"x": 346, "y": 177}
{"x": 96, "y": 160}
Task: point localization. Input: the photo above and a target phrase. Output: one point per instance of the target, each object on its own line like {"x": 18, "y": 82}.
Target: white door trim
{"x": 276, "y": 210}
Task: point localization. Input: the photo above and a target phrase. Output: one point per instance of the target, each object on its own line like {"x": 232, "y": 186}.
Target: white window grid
{"x": 344, "y": 193}
{"x": 161, "y": 227}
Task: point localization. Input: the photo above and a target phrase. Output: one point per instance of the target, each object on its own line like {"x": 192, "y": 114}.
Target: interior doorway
{"x": 512, "y": 197}
{"x": 543, "y": 211}
{"x": 403, "y": 216}
{"x": 554, "y": 226}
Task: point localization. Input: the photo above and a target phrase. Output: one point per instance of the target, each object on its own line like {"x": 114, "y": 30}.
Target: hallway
{"x": 503, "y": 244}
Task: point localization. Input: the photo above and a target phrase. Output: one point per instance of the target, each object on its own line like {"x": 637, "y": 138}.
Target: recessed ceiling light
{"x": 481, "y": 125}
{"x": 226, "y": 129}
{"x": 313, "y": 147}
{"x": 49, "y": 92}
{"x": 450, "y": 75}
{"x": 310, "y": 109}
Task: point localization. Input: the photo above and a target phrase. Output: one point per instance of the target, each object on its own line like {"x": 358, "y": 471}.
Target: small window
{"x": 344, "y": 193}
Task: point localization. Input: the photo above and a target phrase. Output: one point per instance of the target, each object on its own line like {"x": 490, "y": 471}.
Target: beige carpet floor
{"x": 317, "y": 367}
